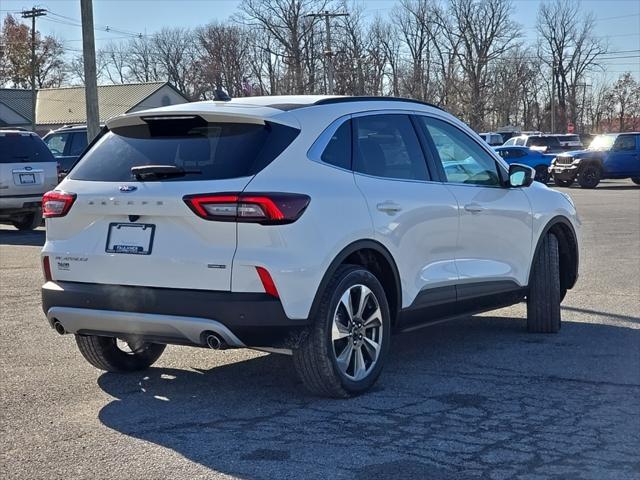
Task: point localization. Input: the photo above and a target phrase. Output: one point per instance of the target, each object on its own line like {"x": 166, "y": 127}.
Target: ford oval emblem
{"x": 28, "y": 169}
{"x": 127, "y": 188}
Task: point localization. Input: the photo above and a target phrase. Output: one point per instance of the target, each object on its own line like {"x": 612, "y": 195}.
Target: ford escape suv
{"x": 27, "y": 171}
{"x": 312, "y": 226}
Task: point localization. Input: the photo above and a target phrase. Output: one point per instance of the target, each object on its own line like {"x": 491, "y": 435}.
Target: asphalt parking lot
{"x": 472, "y": 398}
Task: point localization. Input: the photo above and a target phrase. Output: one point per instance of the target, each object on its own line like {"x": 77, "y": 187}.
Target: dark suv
{"x": 66, "y": 144}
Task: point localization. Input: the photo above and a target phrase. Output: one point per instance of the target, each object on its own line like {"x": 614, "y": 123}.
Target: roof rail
{"x": 332, "y": 100}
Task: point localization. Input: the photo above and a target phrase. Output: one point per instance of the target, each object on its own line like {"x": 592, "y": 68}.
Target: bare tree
{"x": 176, "y": 53}
{"x": 483, "y": 32}
{"x": 142, "y": 61}
{"x": 570, "y": 49}
{"x": 625, "y": 95}
{"x": 285, "y": 21}
{"x": 114, "y": 58}
{"x": 224, "y": 58}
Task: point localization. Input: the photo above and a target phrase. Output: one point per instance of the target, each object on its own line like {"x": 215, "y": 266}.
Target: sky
{"x": 617, "y": 21}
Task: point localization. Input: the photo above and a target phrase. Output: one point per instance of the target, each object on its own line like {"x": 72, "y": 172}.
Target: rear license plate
{"x": 131, "y": 238}
{"x": 27, "y": 178}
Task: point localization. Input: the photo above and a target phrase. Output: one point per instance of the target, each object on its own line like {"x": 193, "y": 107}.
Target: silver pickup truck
{"x": 27, "y": 170}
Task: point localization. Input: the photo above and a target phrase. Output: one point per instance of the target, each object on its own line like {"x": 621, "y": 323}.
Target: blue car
{"x": 535, "y": 159}
{"x": 613, "y": 155}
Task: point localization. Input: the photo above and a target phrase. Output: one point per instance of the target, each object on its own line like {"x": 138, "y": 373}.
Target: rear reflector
{"x": 263, "y": 208}
{"x": 57, "y": 204}
{"x": 46, "y": 269}
{"x": 267, "y": 282}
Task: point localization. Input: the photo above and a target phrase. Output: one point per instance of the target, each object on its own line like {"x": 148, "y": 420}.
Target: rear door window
{"x": 206, "y": 151}
{"x": 387, "y": 146}
{"x": 19, "y": 148}
{"x": 78, "y": 143}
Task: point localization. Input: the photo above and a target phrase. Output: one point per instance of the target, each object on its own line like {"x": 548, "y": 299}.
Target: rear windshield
{"x": 18, "y": 148}
{"x": 543, "y": 141}
{"x": 206, "y": 151}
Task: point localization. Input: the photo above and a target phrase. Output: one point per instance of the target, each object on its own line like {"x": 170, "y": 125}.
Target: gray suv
{"x": 27, "y": 171}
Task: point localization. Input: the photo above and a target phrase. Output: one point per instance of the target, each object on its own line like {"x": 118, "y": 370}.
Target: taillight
{"x": 263, "y": 208}
{"x": 57, "y": 204}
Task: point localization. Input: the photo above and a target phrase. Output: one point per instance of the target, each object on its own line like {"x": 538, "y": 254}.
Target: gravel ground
{"x": 472, "y": 398}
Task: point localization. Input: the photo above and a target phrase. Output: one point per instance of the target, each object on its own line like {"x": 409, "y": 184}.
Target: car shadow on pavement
{"x": 32, "y": 238}
{"x": 474, "y": 398}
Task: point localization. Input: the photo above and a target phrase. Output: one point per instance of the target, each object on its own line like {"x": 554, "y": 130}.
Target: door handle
{"x": 389, "y": 207}
{"x": 473, "y": 208}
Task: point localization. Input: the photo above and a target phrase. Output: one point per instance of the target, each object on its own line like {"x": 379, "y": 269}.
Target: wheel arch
{"x": 374, "y": 256}
{"x": 564, "y": 231}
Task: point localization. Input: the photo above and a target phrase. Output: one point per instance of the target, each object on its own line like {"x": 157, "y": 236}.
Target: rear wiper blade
{"x": 160, "y": 171}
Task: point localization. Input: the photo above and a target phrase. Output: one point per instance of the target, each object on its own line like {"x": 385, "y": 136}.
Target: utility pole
{"x": 553, "y": 97}
{"x": 328, "y": 53}
{"x": 32, "y": 14}
{"x": 89, "y": 60}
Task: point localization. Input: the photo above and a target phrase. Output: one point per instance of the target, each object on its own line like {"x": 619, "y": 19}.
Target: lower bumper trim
{"x": 114, "y": 323}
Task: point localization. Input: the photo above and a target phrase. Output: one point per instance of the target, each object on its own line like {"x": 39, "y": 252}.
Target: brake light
{"x": 267, "y": 282}
{"x": 263, "y": 208}
{"x": 57, "y": 204}
{"x": 46, "y": 268}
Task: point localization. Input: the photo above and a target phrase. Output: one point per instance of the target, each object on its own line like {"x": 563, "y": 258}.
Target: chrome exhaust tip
{"x": 59, "y": 328}
{"x": 213, "y": 341}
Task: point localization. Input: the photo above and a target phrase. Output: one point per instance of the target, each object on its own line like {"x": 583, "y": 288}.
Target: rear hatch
{"x": 27, "y": 167}
{"x": 129, "y": 228}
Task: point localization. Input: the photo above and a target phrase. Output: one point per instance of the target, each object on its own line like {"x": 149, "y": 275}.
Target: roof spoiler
{"x": 141, "y": 118}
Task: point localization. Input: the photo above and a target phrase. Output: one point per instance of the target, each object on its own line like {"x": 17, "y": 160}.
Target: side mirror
{"x": 521, "y": 175}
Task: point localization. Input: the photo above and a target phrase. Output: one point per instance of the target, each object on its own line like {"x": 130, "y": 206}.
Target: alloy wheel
{"x": 357, "y": 332}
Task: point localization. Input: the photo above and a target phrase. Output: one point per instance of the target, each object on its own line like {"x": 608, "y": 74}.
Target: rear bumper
{"x": 17, "y": 204}
{"x": 169, "y": 315}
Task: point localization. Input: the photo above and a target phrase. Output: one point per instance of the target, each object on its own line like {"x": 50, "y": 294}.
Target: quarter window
{"x": 338, "y": 150}
{"x": 387, "y": 146}
{"x": 463, "y": 160}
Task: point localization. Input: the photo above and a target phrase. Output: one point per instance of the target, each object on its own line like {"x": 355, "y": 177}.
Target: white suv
{"x": 314, "y": 226}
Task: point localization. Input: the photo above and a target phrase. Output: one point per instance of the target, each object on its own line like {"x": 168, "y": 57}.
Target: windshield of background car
{"x": 18, "y": 148}
{"x": 207, "y": 151}
{"x": 602, "y": 142}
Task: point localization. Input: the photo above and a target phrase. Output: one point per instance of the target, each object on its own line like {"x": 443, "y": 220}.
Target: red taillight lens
{"x": 57, "y": 204}
{"x": 267, "y": 282}
{"x": 46, "y": 268}
{"x": 263, "y": 208}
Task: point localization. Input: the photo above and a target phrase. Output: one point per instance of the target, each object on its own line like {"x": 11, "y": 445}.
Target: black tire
{"x": 589, "y": 176}
{"x": 315, "y": 357}
{"x": 560, "y": 182}
{"x": 636, "y": 180}
{"x": 29, "y": 221}
{"x": 542, "y": 174}
{"x": 545, "y": 292}
{"x": 104, "y": 353}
